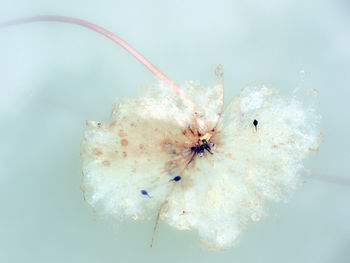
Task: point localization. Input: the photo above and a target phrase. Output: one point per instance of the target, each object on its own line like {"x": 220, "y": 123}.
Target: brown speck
{"x": 183, "y": 213}
{"x": 313, "y": 149}
{"x": 141, "y": 147}
{"x": 167, "y": 143}
{"x": 125, "y": 155}
{"x": 96, "y": 151}
{"x": 112, "y": 124}
{"x": 106, "y": 163}
{"x": 122, "y": 133}
{"x": 124, "y": 142}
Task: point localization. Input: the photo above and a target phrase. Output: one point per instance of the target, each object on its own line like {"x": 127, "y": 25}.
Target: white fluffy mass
{"x": 148, "y": 142}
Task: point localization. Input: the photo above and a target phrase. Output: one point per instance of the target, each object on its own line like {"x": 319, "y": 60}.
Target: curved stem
{"x": 110, "y": 35}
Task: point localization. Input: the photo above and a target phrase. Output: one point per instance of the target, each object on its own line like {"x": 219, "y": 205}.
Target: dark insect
{"x": 255, "y": 122}
{"x": 176, "y": 179}
{"x": 144, "y": 192}
{"x": 200, "y": 147}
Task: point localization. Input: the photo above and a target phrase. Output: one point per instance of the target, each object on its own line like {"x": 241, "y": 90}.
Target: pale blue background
{"x": 53, "y": 77}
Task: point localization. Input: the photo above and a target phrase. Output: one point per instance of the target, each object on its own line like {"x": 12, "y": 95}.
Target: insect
{"x": 144, "y": 192}
{"x": 255, "y": 122}
{"x": 203, "y": 166}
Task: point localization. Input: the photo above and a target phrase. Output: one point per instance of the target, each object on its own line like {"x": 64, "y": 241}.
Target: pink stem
{"x": 110, "y": 35}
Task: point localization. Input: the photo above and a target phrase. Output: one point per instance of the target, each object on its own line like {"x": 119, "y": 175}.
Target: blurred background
{"x": 54, "y": 77}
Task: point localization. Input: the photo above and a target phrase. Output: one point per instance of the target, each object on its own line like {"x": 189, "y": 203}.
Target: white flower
{"x": 148, "y": 142}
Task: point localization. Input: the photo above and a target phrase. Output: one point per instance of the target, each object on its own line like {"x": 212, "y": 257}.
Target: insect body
{"x": 255, "y": 122}
{"x": 144, "y": 192}
{"x": 176, "y": 178}
{"x": 200, "y": 146}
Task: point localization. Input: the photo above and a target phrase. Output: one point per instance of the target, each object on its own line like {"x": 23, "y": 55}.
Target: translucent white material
{"x": 148, "y": 142}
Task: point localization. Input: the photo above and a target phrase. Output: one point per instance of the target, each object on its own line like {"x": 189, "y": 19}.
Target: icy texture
{"x": 148, "y": 143}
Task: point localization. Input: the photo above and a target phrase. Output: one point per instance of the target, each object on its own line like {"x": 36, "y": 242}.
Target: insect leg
{"x": 192, "y": 158}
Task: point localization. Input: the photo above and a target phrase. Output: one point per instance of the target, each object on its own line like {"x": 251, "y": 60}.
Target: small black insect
{"x": 144, "y": 192}
{"x": 176, "y": 179}
{"x": 255, "y": 122}
{"x": 200, "y": 147}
